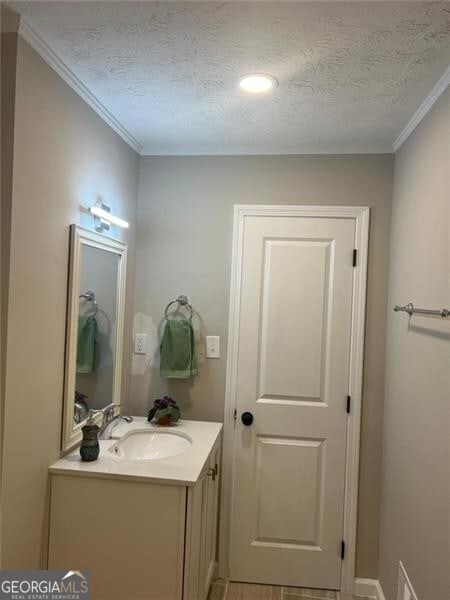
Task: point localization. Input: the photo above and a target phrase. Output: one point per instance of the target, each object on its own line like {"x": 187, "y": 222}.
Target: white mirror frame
{"x": 71, "y": 435}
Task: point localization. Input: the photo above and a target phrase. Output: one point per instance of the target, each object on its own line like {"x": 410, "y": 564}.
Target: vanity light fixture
{"x": 104, "y": 218}
{"x": 257, "y": 83}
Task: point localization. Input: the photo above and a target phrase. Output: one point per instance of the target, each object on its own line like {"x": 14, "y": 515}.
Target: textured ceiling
{"x": 351, "y": 73}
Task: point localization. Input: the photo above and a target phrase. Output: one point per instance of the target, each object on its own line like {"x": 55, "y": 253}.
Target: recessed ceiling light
{"x": 257, "y": 83}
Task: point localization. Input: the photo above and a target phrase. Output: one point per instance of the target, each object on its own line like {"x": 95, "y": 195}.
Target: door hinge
{"x": 235, "y": 414}
{"x": 355, "y": 254}
{"x": 349, "y": 401}
{"x": 342, "y": 550}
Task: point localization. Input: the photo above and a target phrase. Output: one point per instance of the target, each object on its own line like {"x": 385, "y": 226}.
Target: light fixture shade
{"x": 257, "y": 83}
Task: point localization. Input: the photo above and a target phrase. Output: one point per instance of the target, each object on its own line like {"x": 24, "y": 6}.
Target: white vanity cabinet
{"x": 201, "y": 530}
{"x": 140, "y": 540}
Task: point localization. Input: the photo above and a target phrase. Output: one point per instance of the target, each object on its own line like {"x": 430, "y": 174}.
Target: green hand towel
{"x": 87, "y": 342}
{"x": 178, "y": 355}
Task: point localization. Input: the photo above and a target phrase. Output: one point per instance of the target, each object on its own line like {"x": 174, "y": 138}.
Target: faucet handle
{"x": 91, "y": 414}
{"x": 111, "y": 407}
{"x": 108, "y": 412}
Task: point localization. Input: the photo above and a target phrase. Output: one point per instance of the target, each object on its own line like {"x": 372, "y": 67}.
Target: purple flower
{"x": 164, "y": 402}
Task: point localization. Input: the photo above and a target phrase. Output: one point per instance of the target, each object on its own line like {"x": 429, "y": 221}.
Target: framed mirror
{"x": 94, "y": 333}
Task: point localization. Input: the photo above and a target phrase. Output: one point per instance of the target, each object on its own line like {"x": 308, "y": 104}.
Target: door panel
{"x": 295, "y": 285}
{"x": 293, "y": 372}
{"x": 292, "y": 518}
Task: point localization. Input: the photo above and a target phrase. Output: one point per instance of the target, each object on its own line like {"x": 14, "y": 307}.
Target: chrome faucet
{"x": 110, "y": 421}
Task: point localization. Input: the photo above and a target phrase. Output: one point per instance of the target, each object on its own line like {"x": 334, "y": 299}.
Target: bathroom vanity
{"x": 143, "y": 517}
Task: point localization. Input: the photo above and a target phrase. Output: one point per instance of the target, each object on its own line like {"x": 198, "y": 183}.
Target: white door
{"x": 293, "y": 377}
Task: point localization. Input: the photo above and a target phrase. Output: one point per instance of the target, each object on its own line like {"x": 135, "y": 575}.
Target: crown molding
{"x": 45, "y": 52}
{"x": 150, "y": 150}
{"x": 438, "y": 89}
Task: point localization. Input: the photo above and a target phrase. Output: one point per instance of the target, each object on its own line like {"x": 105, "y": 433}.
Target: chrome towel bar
{"x": 411, "y": 310}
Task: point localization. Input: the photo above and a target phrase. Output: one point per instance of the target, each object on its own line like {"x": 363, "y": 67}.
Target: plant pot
{"x": 164, "y": 420}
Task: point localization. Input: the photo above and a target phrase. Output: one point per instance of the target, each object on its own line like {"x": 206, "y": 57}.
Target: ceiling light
{"x": 257, "y": 83}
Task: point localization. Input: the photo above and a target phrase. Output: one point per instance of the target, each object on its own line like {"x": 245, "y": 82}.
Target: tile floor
{"x": 223, "y": 590}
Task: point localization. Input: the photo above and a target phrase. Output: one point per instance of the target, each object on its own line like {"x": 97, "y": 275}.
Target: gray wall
{"x": 415, "y": 492}
{"x": 64, "y": 157}
{"x": 185, "y": 214}
{"x": 9, "y": 22}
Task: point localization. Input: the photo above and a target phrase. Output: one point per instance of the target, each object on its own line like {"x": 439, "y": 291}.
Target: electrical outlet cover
{"x": 140, "y": 343}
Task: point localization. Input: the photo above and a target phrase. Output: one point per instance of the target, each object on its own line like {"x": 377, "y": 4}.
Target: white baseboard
{"x": 370, "y": 588}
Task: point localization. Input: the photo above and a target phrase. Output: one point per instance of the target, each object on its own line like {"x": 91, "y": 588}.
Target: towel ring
{"x": 182, "y": 301}
{"x": 90, "y": 297}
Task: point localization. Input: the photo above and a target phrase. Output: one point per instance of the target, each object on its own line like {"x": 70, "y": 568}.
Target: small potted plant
{"x": 164, "y": 412}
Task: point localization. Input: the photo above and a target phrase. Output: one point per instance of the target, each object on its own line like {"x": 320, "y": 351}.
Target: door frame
{"x": 360, "y": 214}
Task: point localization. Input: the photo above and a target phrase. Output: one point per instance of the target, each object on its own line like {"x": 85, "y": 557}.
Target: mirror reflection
{"x": 97, "y": 310}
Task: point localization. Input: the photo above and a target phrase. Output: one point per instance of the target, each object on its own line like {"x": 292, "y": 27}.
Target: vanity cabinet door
{"x": 208, "y": 530}
{"x": 210, "y": 518}
{"x": 129, "y": 535}
{"x": 205, "y": 535}
{"x": 194, "y": 555}
{"x": 201, "y": 540}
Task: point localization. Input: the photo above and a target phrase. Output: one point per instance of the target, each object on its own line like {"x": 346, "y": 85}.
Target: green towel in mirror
{"x": 87, "y": 342}
{"x": 178, "y": 353}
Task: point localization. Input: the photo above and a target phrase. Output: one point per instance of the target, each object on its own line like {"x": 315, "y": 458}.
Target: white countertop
{"x": 183, "y": 469}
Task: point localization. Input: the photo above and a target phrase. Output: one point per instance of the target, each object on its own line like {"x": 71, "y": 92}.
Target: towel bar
{"x": 411, "y": 310}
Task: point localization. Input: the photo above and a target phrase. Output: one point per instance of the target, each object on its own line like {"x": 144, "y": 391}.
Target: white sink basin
{"x": 150, "y": 445}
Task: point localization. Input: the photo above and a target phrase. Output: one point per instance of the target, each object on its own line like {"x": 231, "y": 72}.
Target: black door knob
{"x": 247, "y": 418}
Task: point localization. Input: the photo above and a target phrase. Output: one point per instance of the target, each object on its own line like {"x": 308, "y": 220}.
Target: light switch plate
{"x": 212, "y": 346}
{"x": 140, "y": 343}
